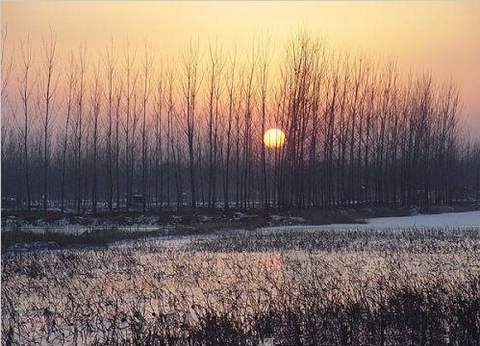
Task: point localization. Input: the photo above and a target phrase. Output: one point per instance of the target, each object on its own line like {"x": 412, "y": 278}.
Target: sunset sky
{"x": 443, "y": 37}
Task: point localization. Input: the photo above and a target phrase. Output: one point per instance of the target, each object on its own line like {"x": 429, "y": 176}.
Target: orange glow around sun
{"x": 274, "y": 138}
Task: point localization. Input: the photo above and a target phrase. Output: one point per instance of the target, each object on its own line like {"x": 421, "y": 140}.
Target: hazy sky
{"x": 443, "y": 37}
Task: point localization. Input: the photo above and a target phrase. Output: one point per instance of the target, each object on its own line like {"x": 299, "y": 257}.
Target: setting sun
{"x": 274, "y": 138}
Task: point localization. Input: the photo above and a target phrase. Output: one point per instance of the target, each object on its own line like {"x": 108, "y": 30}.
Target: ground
{"x": 53, "y": 229}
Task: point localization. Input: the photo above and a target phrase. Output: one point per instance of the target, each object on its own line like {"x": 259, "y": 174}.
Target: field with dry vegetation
{"x": 264, "y": 287}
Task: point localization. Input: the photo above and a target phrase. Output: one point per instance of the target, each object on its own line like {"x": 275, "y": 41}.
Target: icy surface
{"x": 447, "y": 220}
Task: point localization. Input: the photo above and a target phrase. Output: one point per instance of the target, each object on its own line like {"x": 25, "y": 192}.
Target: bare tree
{"x": 172, "y": 146}
{"x": 263, "y": 89}
{"x": 25, "y": 90}
{"x": 110, "y": 63}
{"x": 48, "y": 90}
{"x": 158, "y": 109}
{"x": 230, "y": 80}
{"x": 6, "y": 131}
{"x": 81, "y": 70}
{"x": 249, "y": 94}
{"x": 71, "y": 75}
{"x": 191, "y": 84}
{"x": 95, "y": 103}
{"x": 215, "y": 89}
{"x": 301, "y": 72}
{"x": 147, "y": 82}
{"x": 131, "y": 77}
{"x": 118, "y": 98}
{"x": 355, "y": 113}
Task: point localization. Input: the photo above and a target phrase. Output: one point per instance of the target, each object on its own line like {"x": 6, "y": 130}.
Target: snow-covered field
{"x": 446, "y": 220}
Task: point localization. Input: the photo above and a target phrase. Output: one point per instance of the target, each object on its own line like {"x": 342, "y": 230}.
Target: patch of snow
{"x": 447, "y": 220}
{"x": 61, "y": 222}
{"x": 276, "y": 218}
{"x": 203, "y": 218}
{"x": 12, "y": 222}
{"x": 39, "y": 223}
{"x": 145, "y": 221}
{"x": 176, "y": 218}
{"x": 240, "y": 216}
{"x": 39, "y": 245}
{"x": 296, "y": 218}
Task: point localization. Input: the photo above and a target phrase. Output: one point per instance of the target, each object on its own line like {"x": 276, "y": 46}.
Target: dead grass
{"x": 349, "y": 288}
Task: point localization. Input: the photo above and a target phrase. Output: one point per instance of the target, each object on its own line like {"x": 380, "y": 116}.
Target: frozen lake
{"x": 446, "y": 220}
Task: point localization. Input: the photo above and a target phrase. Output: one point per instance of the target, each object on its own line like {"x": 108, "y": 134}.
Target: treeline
{"x": 117, "y": 129}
